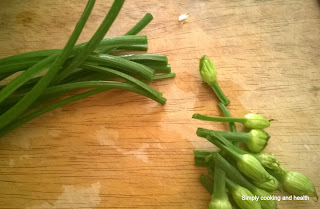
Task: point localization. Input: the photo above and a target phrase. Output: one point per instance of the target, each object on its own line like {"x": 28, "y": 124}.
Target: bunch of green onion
{"x": 33, "y": 82}
{"x": 238, "y": 172}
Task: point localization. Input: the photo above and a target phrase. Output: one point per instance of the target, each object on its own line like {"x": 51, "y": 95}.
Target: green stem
{"x": 164, "y": 76}
{"x": 101, "y": 86}
{"x": 88, "y": 48}
{"x": 232, "y": 172}
{"x": 230, "y": 184}
{"x": 121, "y": 75}
{"x": 123, "y": 65}
{"x": 27, "y": 56}
{"x": 18, "y": 66}
{"x": 204, "y": 132}
{"x": 226, "y": 113}
{"x": 147, "y": 59}
{"x": 218, "y": 119}
{"x": 140, "y": 25}
{"x": 232, "y": 136}
{"x": 160, "y": 69}
{"x": 25, "y": 77}
{"x": 219, "y": 187}
{"x": 10, "y": 115}
{"x": 124, "y": 42}
{"x": 133, "y": 31}
{"x": 215, "y": 139}
{"x": 221, "y": 96}
{"x": 207, "y": 183}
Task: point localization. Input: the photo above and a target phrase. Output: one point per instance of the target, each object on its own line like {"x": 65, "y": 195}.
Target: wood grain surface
{"x": 121, "y": 150}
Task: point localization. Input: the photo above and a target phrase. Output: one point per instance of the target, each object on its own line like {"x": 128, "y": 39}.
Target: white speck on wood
{"x": 183, "y": 17}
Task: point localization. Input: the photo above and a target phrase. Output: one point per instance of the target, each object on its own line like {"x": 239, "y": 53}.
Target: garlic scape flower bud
{"x": 269, "y": 186}
{"x": 208, "y": 73}
{"x": 246, "y": 163}
{"x": 238, "y": 193}
{"x": 251, "y": 120}
{"x": 256, "y": 140}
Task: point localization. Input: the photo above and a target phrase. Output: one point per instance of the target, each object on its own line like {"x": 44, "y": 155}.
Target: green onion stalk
{"x": 246, "y": 163}
{"x": 251, "y": 120}
{"x": 209, "y": 74}
{"x": 219, "y": 198}
{"x": 256, "y": 140}
{"x": 77, "y": 67}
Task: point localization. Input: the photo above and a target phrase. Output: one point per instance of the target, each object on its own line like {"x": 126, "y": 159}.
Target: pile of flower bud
{"x": 242, "y": 178}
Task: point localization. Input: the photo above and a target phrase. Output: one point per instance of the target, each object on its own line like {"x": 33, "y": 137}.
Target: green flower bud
{"x": 207, "y": 70}
{"x": 220, "y": 204}
{"x": 265, "y": 204}
{"x": 209, "y": 74}
{"x": 258, "y": 140}
{"x": 238, "y": 192}
{"x": 252, "y": 168}
{"x": 269, "y": 186}
{"x": 268, "y": 160}
{"x": 255, "y": 121}
{"x": 298, "y": 184}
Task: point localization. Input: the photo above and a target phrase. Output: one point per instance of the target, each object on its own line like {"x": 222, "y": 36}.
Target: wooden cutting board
{"x": 121, "y": 150}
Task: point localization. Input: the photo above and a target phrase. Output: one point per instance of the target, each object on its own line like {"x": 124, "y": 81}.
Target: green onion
{"x": 25, "y": 76}
{"x": 32, "y": 95}
{"x": 147, "y": 59}
{"x": 251, "y": 120}
{"x": 140, "y": 25}
{"x": 124, "y": 76}
{"x": 122, "y": 64}
{"x": 100, "y": 87}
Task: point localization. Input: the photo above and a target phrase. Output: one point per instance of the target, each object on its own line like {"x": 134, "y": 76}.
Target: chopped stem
{"x": 232, "y": 172}
{"x": 164, "y": 76}
{"x": 218, "y": 119}
{"x": 147, "y": 59}
{"x": 140, "y": 25}
{"x": 215, "y": 140}
{"x": 207, "y": 183}
{"x": 232, "y": 136}
{"x": 160, "y": 69}
{"x": 221, "y": 96}
{"x": 219, "y": 187}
